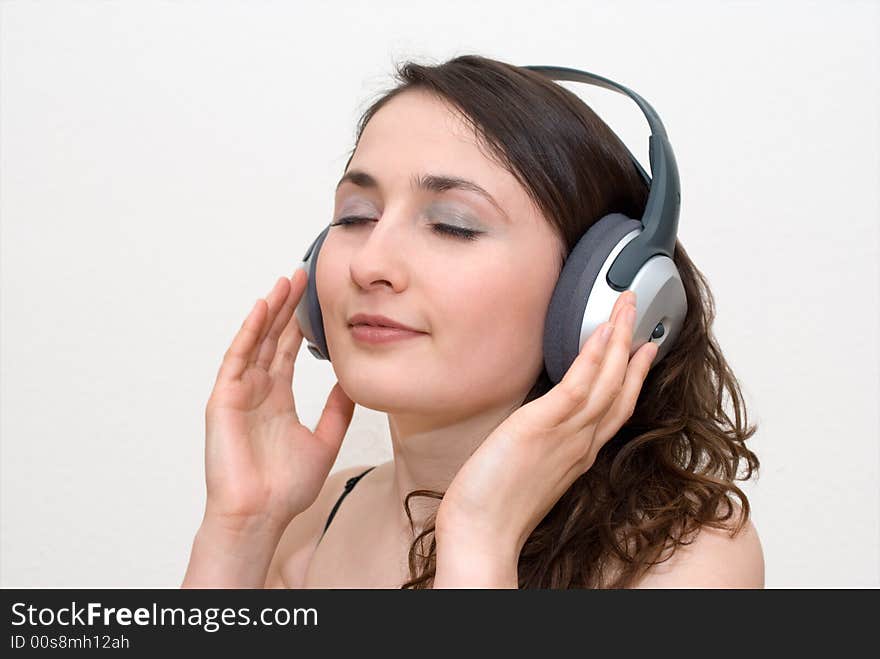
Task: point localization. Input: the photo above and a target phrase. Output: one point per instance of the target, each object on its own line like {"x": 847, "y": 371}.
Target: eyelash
{"x": 444, "y": 229}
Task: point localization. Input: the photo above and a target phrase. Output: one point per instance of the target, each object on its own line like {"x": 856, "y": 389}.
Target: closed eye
{"x": 443, "y": 229}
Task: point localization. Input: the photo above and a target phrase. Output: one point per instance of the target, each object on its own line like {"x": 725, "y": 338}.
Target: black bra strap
{"x": 349, "y": 484}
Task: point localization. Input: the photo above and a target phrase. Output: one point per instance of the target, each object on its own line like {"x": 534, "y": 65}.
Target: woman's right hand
{"x": 262, "y": 466}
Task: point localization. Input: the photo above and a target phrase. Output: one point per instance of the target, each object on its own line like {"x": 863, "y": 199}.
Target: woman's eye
{"x": 444, "y": 229}
{"x": 351, "y": 219}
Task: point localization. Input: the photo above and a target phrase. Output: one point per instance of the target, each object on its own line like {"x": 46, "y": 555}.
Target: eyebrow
{"x": 429, "y": 182}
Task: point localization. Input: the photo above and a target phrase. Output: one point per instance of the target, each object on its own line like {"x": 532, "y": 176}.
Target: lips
{"x": 377, "y": 320}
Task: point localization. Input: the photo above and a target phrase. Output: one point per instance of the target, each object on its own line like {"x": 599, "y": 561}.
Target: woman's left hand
{"x": 527, "y": 463}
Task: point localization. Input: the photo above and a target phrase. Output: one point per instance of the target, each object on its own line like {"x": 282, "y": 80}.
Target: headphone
{"x": 616, "y": 254}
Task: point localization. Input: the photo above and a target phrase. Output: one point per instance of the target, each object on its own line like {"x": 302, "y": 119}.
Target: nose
{"x": 380, "y": 258}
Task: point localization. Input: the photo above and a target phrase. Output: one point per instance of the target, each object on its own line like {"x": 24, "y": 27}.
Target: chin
{"x": 381, "y": 387}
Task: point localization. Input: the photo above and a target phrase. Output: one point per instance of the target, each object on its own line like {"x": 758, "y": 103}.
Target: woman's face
{"x": 481, "y": 302}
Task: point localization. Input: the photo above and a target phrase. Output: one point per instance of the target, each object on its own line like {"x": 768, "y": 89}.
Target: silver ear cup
{"x": 583, "y": 299}
{"x": 661, "y": 304}
{"x": 308, "y": 310}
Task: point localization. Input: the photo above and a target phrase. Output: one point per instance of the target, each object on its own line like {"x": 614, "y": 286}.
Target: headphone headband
{"x": 660, "y": 218}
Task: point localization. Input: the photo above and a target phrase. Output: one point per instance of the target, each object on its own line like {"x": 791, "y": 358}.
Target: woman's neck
{"x": 429, "y": 455}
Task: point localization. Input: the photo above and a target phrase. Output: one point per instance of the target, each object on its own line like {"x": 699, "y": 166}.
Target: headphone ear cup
{"x": 308, "y": 310}
{"x": 572, "y": 294}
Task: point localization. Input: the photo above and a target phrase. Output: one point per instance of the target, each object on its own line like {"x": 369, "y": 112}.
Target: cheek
{"x": 331, "y": 277}
{"x": 495, "y": 319}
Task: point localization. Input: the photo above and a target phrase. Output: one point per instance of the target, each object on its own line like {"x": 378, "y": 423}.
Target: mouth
{"x": 378, "y": 321}
{"x": 377, "y": 334}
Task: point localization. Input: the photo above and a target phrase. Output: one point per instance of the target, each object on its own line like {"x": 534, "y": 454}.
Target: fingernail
{"x": 605, "y": 332}
{"x": 631, "y": 314}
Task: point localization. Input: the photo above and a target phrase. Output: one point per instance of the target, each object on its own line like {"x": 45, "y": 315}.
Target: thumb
{"x": 335, "y": 418}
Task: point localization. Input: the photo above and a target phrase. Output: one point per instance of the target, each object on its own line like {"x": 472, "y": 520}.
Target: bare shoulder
{"x": 717, "y": 558}
{"x": 298, "y": 542}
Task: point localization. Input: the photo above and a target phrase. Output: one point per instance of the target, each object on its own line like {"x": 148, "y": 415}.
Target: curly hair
{"x": 672, "y": 467}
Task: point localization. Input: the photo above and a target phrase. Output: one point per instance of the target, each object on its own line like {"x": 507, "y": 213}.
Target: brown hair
{"x": 671, "y": 468}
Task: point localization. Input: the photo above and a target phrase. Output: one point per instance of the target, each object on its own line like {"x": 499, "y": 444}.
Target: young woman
{"x": 621, "y": 475}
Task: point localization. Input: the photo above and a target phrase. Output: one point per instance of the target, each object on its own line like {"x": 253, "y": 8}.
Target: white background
{"x": 163, "y": 163}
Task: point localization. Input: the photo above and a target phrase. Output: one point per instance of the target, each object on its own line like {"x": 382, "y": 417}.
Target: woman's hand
{"x": 527, "y": 463}
{"x": 262, "y": 466}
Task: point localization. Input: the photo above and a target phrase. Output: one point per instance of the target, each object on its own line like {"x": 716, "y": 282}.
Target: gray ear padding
{"x": 562, "y": 326}
{"x": 308, "y": 311}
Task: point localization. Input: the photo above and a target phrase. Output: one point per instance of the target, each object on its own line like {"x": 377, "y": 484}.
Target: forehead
{"x": 417, "y": 133}
{"x": 422, "y": 120}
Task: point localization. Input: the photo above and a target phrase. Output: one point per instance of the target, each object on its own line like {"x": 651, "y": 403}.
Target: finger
{"x": 570, "y": 395}
{"x": 580, "y": 375}
{"x": 236, "y": 357}
{"x": 270, "y": 342}
{"x": 275, "y": 299}
{"x": 625, "y": 404}
{"x": 572, "y": 392}
{"x": 609, "y": 381}
{"x": 626, "y": 297}
{"x": 291, "y": 338}
{"x": 335, "y": 418}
